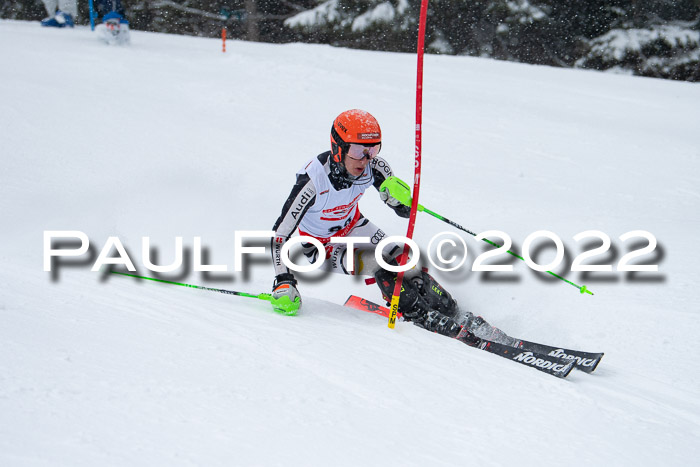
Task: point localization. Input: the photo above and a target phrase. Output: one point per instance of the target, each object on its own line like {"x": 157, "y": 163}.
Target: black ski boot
{"x": 437, "y": 297}
{"x": 415, "y": 307}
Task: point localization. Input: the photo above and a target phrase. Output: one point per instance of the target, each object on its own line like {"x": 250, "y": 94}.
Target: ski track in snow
{"x": 171, "y": 137}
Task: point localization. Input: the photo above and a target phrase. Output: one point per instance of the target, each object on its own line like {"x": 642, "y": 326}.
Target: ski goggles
{"x": 361, "y": 151}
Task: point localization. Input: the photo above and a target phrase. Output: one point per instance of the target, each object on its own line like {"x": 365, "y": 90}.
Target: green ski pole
{"x": 279, "y": 305}
{"x": 401, "y": 192}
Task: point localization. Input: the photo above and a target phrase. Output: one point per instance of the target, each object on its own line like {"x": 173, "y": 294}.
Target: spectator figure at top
{"x": 62, "y": 13}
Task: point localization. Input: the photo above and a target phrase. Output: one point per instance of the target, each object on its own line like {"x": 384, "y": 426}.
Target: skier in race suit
{"x": 324, "y": 204}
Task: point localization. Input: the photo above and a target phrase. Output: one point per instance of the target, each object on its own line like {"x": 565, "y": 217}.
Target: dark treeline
{"x": 658, "y": 38}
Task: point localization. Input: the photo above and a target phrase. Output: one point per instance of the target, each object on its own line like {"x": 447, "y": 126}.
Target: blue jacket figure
{"x": 62, "y": 13}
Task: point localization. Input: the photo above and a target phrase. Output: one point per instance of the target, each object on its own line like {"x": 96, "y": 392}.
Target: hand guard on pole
{"x": 397, "y": 195}
{"x": 398, "y": 190}
{"x": 396, "y": 202}
{"x": 285, "y": 296}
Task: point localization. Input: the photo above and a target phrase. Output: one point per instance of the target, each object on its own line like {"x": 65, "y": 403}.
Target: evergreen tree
{"x": 647, "y": 37}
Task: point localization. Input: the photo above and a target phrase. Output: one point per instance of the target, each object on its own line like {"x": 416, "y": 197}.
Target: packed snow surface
{"x": 171, "y": 137}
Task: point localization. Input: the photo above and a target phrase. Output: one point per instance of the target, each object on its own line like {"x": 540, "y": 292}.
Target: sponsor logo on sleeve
{"x": 278, "y": 251}
{"x": 382, "y": 166}
{"x": 301, "y": 204}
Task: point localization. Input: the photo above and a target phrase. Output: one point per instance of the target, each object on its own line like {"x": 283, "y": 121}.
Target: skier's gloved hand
{"x": 285, "y": 296}
{"x": 397, "y": 195}
{"x": 393, "y": 203}
{"x": 388, "y": 199}
{"x": 395, "y": 191}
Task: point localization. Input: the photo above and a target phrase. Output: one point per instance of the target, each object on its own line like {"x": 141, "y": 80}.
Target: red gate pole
{"x": 416, "y": 178}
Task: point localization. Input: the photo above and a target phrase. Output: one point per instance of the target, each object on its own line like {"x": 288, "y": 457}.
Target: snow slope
{"x": 170, "y": 137}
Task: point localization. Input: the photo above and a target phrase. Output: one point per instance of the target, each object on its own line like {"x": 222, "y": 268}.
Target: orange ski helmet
{"x": 353, "y": 127}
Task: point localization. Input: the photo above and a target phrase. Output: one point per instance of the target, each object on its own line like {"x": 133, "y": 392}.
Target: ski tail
{"x": 360, "y": 303}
